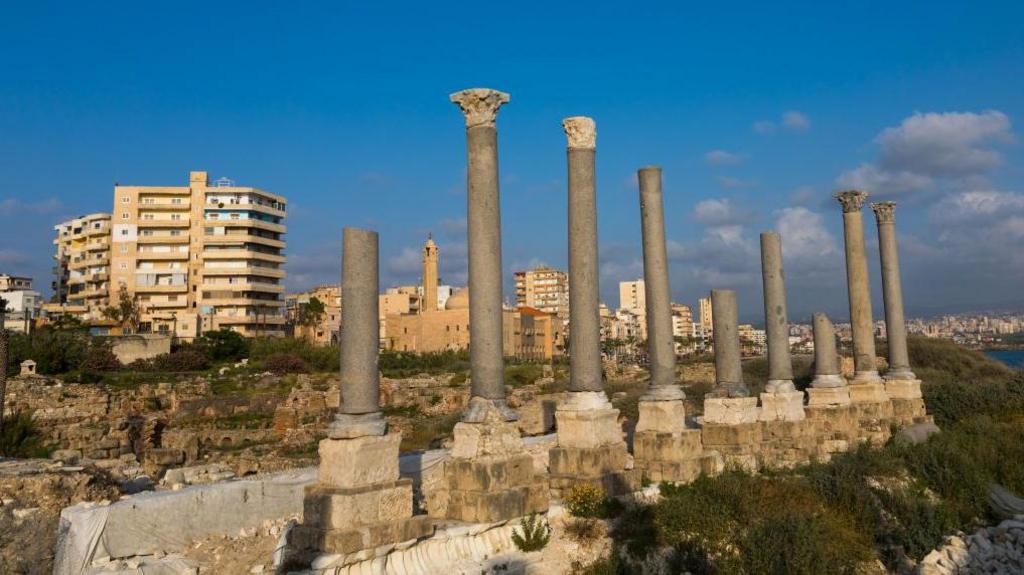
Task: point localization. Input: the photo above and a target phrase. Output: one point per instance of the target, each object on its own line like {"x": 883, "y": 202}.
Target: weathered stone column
{"x": 781, "y": 400}
{"x": 901, "y": 385}
{"x": 826, "y": 361}
{"x": 359, "y": 502}
{"x": 661, "y": 351}
{"x": 360, "y": 412}
{"x": 892, "y": 293}
{"x": 489, "y": 476}
{"x": 866, "y": 370}
{"x": 590, "y": 448}
{"x": 729, "y": 402}
{"x": 776, "y": 324}
{"x": 487, "y": 362}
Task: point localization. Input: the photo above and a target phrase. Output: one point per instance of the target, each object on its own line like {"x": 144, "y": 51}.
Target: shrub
{"x": 523, "y": 374}
{"x": 20, "y": 438}
{"x": 223, "y": 345}
{"x": 317, "y": 358}
{"x": 534, "y": 534}
{"x": 584, "y": 529}
{"x": 284, "y": 363}
{"x": 99, "y": 359}
{"x": 184, "y": 359}
{"x": 55, "y": 351}
{"x": 585, "y": 500}
{"x": 405, "y": 364}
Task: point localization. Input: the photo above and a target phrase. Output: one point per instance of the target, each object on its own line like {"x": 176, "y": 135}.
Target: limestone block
{"x": 489, "y": 474}
{"x": 365, "y": 537}
{"x": 485, "y": 507}
{"x": 333, "y": 508}
{"x": 588, "y": 428}
{"x": 650, "y": 446}
{"x": 484, "y": 439}
{"x": 744, "y": 435}
{"x": 873, "y": 392}
{"x": 661, "y": 416}
{"x": 359, "y": 461}
{"x": 587, "y": 462}
{"x": 828, "y": 396}
{"x": 909, "y": 411}
{"x": 782, "y": 406}
{"x": 903, "y": 388}
{"x": 730, "y": 410}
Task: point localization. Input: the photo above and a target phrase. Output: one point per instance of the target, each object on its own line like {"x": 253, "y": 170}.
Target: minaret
{"x": 429, "y": 302}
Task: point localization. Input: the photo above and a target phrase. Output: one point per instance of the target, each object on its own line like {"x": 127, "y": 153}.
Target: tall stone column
{"x": 343, "y": 512}
{"x": 590, "y": 447}
{"x": 865, "y": 369}
{"x": 661, "y": 351}
{"x": 892, "y": 293}
{"x": 360, "y": 412}
{"x": 729, "y": 402}
{"x": 781, "y": 400}
{"x": 489, "y": 476}
{"x": 776, "y": 324}
{"x": 901, "y": 385}
{"x": 486, "y": 354}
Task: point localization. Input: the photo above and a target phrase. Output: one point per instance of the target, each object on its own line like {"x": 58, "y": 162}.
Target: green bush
{"x": 585, "y": 500}
{"x": 223, "y": 345}
{"x": 534, "y": 534}
{"x": 284, "y": 363}
{"x": 317, "y": 358}
{"x": 99, "y": 359}
{"x": 20, "y": 438}
{"x": 55, "y": 351}
{"x": 522, "y": 374}
{"x": 406, "y": 364}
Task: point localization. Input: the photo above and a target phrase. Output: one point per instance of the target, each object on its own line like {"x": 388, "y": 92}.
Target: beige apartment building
{"x": 545, "y": 289}
{"x": 81, "y": 284}
{"x": 706, "y": 318}
{"x": 200, "y": 257}
{"x": 632, "y": 296}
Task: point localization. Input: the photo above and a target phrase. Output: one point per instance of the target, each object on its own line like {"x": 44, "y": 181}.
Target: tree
{"x": 126, "y": 312}
{"x": 312, "y": 312}
{"x": 3, "y": 359}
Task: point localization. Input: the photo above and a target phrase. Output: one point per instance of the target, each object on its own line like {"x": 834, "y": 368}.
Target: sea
{"x": 1011, "y": 357}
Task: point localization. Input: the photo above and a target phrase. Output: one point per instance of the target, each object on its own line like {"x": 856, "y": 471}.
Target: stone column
{"x": 729, "y": 402}
{"x": 865, "y": 367}
{"x": 584, "y": 314}
{"x": 590, "y": 447}
{"x": 892, "y": 293}
{"x": 359, "y": 502}
{"x": 660, "y": 343}
{"x": 360, "y": 412}
{"x": 826, "y": 361}
{"x": 781, "y": 400}
{"x": 487, "y": 362}
{"x": 776, "y": 324}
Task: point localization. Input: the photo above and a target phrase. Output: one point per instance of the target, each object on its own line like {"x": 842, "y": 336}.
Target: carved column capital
{"x": 851, "y": 200}
{"x": 480, "y": 105}
{"x": 885, "y": 212}
{"x": 581, "y": 132}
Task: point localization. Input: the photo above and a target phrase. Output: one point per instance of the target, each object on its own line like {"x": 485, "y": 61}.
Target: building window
{"x": 126, "y": 200}
{"x": 124, "y": 215}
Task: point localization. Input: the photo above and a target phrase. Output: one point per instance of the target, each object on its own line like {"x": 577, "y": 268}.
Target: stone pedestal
{"x": 782, "y": 406}
{"x": 738, "y": 444}
{"x": 872, "y": 410}
{"x": 826, "y": 396}
{"x": 490, "y": 477}
{"x": 665, "y": 450}
{"x": 730, "y": 410}
{"x": 359, "y": 505}
{"x": 907, "y": 401}
{"x": 787, "y": 443}
{"x": 590, "y": 446}
{"x": 873, "y": 392}
{"x": 661, "y": 416}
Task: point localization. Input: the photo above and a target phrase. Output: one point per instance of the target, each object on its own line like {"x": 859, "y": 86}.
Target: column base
{"x": 907, "y": 401}
{"x": 730, "y": 410}
{"x": 661, "y": 416}
{"x": 828, "y": 380}
{"x": 350, "y": 426}
{"x": 825, "y": 396}
{"x": 730, "y": 390}
{"x": 865, "y": 377}
{"x": 867, "y": 392}
{"x": 590, "y": 447}
{"x": 782, "y": 406}
{"x": 900, "y": 374}
{"x": 903, "y": 388}
{"x": 481, "y": 409}
{"x": 664, "y": 393}
{"x": 779, "y": 386}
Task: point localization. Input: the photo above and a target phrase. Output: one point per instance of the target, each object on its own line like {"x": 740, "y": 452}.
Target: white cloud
{"x": 873, "y": 179}
{"x": 722, "y": 158}
{"x": 716, "y": 212}
{"x": 796, "y": 121}
{"x": 731, "y": 183}
{"x": 763, "y": 127}
{"x": 807, "y": 244}
{"x": 17, "y": 207}
{"x": 802, "y": 195}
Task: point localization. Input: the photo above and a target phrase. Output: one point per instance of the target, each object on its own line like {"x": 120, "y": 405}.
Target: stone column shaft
{"x": 487, "y": 363}
{"x": 892, "y": 292}
{"x": 857, "y": 284}
{"x": 660, "y": 343}
{"x": 360, "y": 338}
{"x": 728, "y": 366}
{"x": 826, "y": 361}
{"x": 780, "y": 366}
{"x": 584, "y": 312}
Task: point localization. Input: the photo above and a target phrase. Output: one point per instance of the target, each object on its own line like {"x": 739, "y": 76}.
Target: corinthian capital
{"x": 852, "y": 200}
{"x": 581, "y": 132}
{"x": 885, "y": 212}
{"x": 480, "y": 105}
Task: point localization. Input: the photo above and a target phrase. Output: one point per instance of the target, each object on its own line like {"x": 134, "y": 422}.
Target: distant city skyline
{"x": 755, "y": 118}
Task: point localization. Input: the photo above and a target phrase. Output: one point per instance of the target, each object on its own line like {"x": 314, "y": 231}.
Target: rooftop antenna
{"x": 224, "y": 183}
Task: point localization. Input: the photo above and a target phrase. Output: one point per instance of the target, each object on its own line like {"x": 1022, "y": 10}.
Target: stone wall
{"x": 131, "y": 348}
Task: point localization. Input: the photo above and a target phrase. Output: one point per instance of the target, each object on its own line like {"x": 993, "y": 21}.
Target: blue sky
{"x": 755, "y": 111}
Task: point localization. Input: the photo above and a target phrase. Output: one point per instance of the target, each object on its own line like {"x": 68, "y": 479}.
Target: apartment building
{"x": 81, "y": 283}
{"x": 544, "y": 289}
{"x": 706, "y": 324}
{"x": 632, "y": 296}
{"x": 200, "y": 257}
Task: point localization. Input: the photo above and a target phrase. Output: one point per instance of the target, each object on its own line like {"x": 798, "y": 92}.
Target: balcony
{"x": 243, "y": 271}
{"x": 162, "y": 288}
{"x": 241, "y": 236}
{"x": 149, "y": 305}
{"x": 155, "y": 223}
{"x": 242, "y": 254}
{"x": 164, "y": 206}
{"x": 161, "y": 256}
{"x": 163, "y": 239}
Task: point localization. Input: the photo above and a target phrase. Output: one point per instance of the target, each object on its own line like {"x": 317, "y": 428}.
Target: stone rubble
{"x": 998, "y": 549}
